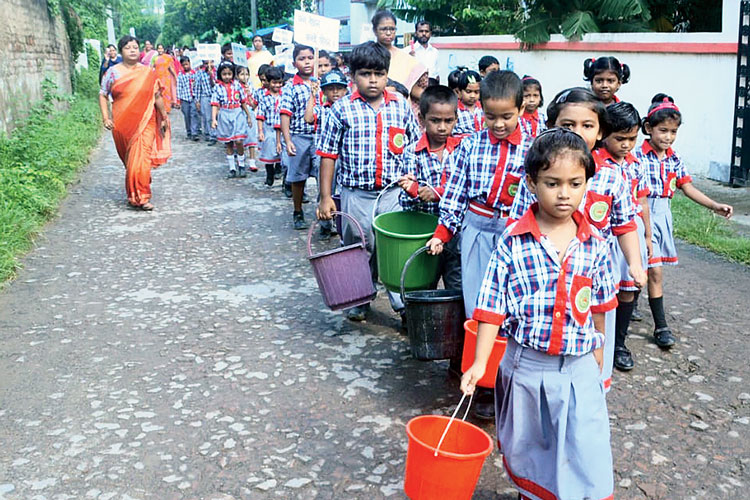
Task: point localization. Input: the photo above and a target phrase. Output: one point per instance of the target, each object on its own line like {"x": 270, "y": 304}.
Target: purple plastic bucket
{"x": 337, "y": 218}
{"x": 343, "y": 274}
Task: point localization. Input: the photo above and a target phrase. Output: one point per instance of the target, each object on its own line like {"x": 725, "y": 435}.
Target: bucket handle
{"x": 453, "y": 417}
{"x": 333, "y": 214}
{"x": 408, "y": 262}
{"x": 380, "y": 195}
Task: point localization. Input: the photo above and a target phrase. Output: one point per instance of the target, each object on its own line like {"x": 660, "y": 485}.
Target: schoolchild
{"x": 453, "y": 77}
{"x": 204, "y": 84}
{"x": 470, "y": 114}
{"x": 624, "y": 123}
{"x": 372, "y": 133}
{"x": 488, "y": 64}
{"x": 665, "y": 173}
{"x": 333, "y": 86}
{"x": 533, "y": 119}
{"x": 251, "y": 141}
{"x": 187, "y": 100}
{"x": 267, "y": 117}
{"x": 226, "y": 53}
{"x": 325, "y": 63}
{"x": 297, "y": 133}
{"x": 548, "y": 283}
{"x": 484, "y": 172}
{"x": 230, "y": 115}
{"x": 606, "y": 75}
{"x": 424, "y": 180}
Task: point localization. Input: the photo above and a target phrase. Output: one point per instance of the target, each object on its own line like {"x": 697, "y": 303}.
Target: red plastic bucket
{"x": 343, "y": 274}
{"x": 470, "y": 347}
{"x": 454, "y": 472}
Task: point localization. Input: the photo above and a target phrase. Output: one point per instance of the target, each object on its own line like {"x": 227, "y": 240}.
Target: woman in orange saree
{"x": 164, "y": 68}
{"x": 139, "y": 123}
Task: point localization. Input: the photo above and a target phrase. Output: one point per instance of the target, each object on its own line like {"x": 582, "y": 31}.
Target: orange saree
{"x": 136, "y": 132}
{"x": 162, "y": 64}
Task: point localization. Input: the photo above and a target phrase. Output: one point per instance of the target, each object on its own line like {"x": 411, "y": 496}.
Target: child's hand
{"x": 649, "y": 247}
{"x": 436, "y": 246}
{"x": 406, "y": 181}
{"x": 261, "y": 137}
{"x": 198, "y": 106}
{"x": 109, "y": 124}
{"x": 639, "y": 276}
{"x": 724, "y": 210}
{"x": 291, "y": 150}
{"x": 214, "y": 124}
{"x": 176, "y": 105}
{"x": 278, "y": 148}
{"x": 599, "y": 357}
{"x": 315, "y": 88}
{"x": 471, "y": 377}
{"x": 426, "y": 193}
{"x": 325, "y": 207}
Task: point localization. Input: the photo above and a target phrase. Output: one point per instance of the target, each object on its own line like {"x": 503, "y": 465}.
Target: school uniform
{"x": 468, "y": 120}
{"x": 372, "y": 148}
{"x": 231, "y": 120}
{"x": 663, "y": 178}
{"x": 268, "y": 114}
{"x": 294, "y": 97}
{"x": 187, "y": 96}
{"x": 550, "y": 408}
{"x": 319, "y": 113}
{"x": 483, "y": 176}
{"x": 432, "y": 171}
{"x": 533, "y": 123}
{"x": 203, "y": 89}
{"x": 251, "y": 140}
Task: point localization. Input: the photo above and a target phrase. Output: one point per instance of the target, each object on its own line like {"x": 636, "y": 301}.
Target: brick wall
{"x": 32, "y": 46}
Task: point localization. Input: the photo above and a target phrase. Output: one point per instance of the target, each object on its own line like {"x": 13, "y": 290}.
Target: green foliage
{"x": 37, "y": 161}
{"x": 699, "y": 226}
{"x": 136, "y": 14}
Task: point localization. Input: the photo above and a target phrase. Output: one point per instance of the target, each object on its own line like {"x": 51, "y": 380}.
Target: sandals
{"x": 147, "y": 207}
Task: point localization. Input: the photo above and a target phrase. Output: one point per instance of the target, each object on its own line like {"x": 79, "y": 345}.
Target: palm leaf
{"x": 577, "y": 24}
{"x": 624, "y": 9}
{"x": 535, "y": 30}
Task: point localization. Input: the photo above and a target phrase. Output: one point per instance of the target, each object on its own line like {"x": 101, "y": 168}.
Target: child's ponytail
{"x": 593, "y": 66}
{"x": 588, "y": 69}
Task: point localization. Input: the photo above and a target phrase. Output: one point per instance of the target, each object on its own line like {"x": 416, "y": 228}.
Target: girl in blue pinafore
{"x": 548, "y": 284}
{"x": 230, "y": 116}
{"x": 665, "y": 173}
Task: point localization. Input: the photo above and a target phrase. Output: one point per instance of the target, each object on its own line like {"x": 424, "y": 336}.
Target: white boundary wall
{"x": 697, "y": 69}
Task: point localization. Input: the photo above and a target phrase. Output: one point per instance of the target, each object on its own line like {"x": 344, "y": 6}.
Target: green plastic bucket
{"x": 397, "y": 236}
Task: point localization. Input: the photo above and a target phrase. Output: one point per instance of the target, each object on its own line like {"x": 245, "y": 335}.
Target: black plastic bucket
{"x": 434, "y": 319}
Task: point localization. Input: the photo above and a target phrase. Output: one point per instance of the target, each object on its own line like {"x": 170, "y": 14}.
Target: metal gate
{"x": 739, "y": 172}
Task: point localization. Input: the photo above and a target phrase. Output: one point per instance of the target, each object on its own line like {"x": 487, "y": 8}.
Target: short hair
{"x": 422, "y": 22}
{"x": 226, "y": 65}
{"x": 437, "y": 94}
{"x": 581, "y": 97}
{"x": 369, "y": 55}
{"x": 662, "y": 108}
{"x": 399, "y": 87}
{"x": 622, "y": 116}
{"x": 551, "y": 144}
{"x": 326, "y": 55}
{"x": 592, "y": 67}
{"x": 487, "y": 61}
{"x": 240, "y": 69}
{"x": 111, "y": 45}
{"x": 300, "y": 48}
{"x": 467, "y": 78}
{"x": 274, "y": 73}
{"x": 501, "y": 84}
{"x": 184, "y": 59}
{"x": 380, "y": 15}
{"x": 124, "y": 41}
{"x": 453, "y": 77}
{"x": 227, "y": 47}
{"x": 263, "y": 69}
{"x": 530, "y": 81}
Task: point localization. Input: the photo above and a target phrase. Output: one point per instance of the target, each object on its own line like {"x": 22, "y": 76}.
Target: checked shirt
{"x": 665, "y": 176}
{"x": 469, "y": 120}
{"x": 429, "y": 170}
{"x": 294, "y": 97}
{"x": 186, "y": 86}
{"x": 228, "y": 95}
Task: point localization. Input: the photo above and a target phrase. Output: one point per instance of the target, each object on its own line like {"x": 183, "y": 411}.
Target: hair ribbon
{"x": 665, "y": 104}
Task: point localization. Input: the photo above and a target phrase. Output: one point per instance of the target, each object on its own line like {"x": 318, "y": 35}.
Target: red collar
{"x": 534, "y": 115}
{"x": 387, "y": 97}
{"x": 462, "y": 106}
{"x": 297, "y": 80}
{"x": 450, "y": 144}
{"x": 527, "y": 224}
{"x": 647, "y": 148}
{"x": 513, "y": 138}
{"x": 604, "y": 155}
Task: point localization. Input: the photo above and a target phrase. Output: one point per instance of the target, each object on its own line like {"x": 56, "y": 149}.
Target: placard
{"x": 316, "y": 31}
{"x": 195, "y": 61}
{"x": 209, "y": 52}
{"x": 239, "y": 54}
{"x": 282, "y": 36}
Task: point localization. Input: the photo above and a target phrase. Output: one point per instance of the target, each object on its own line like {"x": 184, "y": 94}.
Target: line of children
{"x": 470, "y": 114}
{"x": 251, "y": 139}
{"x": 230, "y": 116}
{"x": 187, "y": 100}
{"x": 205, "y": 79}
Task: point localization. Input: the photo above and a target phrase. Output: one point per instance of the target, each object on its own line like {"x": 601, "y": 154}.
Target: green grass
{"x": 37, "y": 162}
{"x": 699, "y": 226}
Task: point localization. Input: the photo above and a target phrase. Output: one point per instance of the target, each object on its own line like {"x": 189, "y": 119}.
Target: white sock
{"x": 241, "y": 161}
{"x": 230, "y": 162}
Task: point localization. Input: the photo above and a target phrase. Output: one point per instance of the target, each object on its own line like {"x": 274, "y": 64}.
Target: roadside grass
{"x": 699, "y": 226}
{"x": 38, "y": 161}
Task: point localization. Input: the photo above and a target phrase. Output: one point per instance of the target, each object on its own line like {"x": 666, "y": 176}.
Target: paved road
{"x": 186, "y": 353}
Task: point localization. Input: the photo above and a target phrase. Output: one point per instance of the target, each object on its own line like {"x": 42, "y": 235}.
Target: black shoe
{"x": 325, "y": 233}
{"x": 636, "y": 316}
{"x": 241, "y": 173}
{"x": 277, "y": 171}
{"x": 196, "y": 138}
{"x": 269, "y": 175}
{"x": 287, "y": 190}
{"x": 232, "y": 174}
{"x": 664, "y": 337}
{"x": 305, "y": 199}
{"x": 299, "y": 220}
{"x": 212, "y": 142}
{"x": 623, "y": 359}
{"x": 484, "y": 406}
{"x": 357, "y": 313}
{"x": 404, "y": 324}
